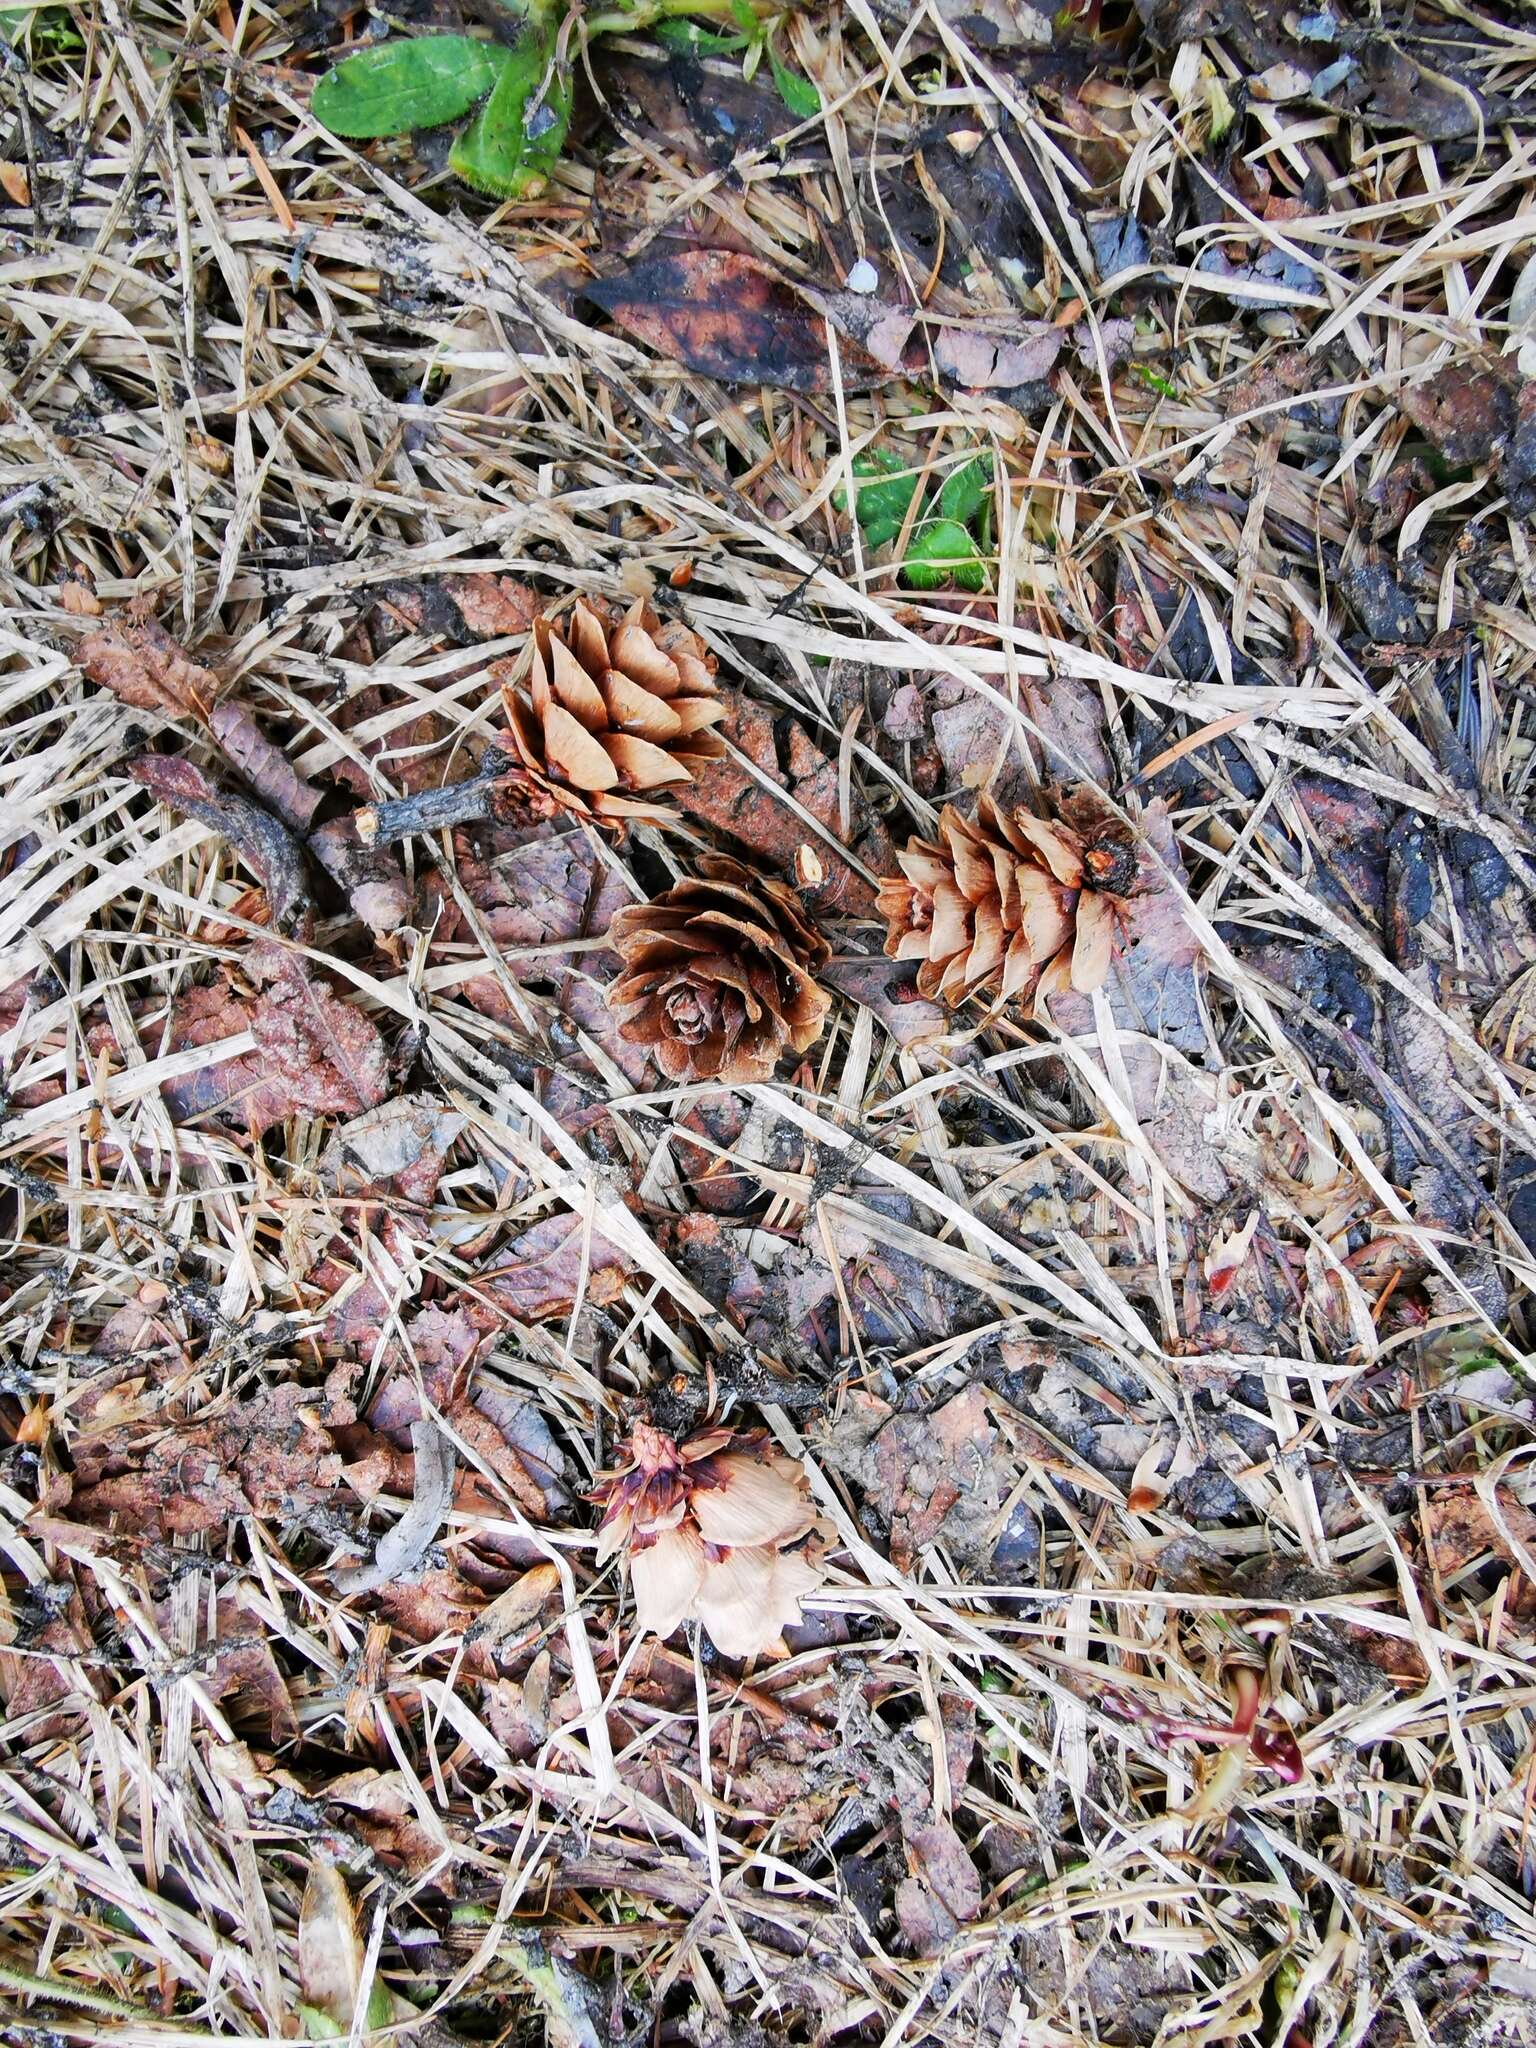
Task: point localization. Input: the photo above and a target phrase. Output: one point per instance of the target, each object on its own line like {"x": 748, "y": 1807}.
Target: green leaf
{"x": 797, "y": 93}
{"x": 881, "y": 504}
{"x": 515, "y": 140}
{"x": 1223, "y": 113}
{"x": 400, "y": 86}
{"x": 967, "y": 489}
{"x": 1150, "y": 377}
{"x": 940, "y": 550}
{"x": 47, "y": 30}
{"x": 745, "y": 19}
{"x": 687, "y": 39}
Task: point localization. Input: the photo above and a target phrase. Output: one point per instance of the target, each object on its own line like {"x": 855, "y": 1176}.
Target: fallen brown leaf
{"x": 440, "y": 1602}
{"x": 539, "y": 1276}
{"x": 77, "y": 594}
{"x": 986, "y": 355}
{"x": 1467, "y": 410}
{"x": 237, "y": 1664}
{"x": 380, "y": 1809}
{"x": 506, "y": 1429}
{"x": 1460, "y": 1528}
{"x": 983, "y": 747}
{"x": 47, "y": 1661}
{"x": 264, "y": 765}
{"x": 314, "y": 1053}
{"x": 268, "y": 1456}
{"x": 400, "y": 1146}
{"x": 929, "y": 1478}
{"x": 724, "y": 314}
{"x": 139, "y": 662}
{"x": 943, "y": 1891}
{"x": 494, "y": 606}
{"x": 726, "y": 795}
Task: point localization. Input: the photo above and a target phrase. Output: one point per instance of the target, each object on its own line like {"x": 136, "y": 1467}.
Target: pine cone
{"x": 719, "y": 975}
{"x": 705, "y": 1528}
{"x": 1000, "y": 904}
{"x": 616, "y": 707}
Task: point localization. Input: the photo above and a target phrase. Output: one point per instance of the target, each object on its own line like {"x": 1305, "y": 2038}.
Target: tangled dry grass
{"x": 1158, "y": 1362}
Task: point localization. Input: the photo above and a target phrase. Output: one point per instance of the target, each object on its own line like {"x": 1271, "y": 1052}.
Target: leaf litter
{"x": 1155, "y": 1358}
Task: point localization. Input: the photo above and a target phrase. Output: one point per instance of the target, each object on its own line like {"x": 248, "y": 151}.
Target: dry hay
{"x": 1183, "y": 1338}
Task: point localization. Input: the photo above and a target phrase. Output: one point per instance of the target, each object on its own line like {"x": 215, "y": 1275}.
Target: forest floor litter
{"x": 768, "y": 1144}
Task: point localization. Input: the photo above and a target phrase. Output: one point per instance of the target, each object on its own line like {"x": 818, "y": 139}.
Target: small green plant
{"x": 952, "y": 536}
{"x": 523, "y": 88}
{"x": 42, "y": 32}
{"x": 754, "y": 37}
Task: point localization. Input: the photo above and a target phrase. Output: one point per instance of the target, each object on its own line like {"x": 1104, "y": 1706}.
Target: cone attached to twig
{"x": 1010, "y": 901}
{"x": 617, "y": 706}
{"x": 719, "y": 975}
{"x": 712, "y": 1529}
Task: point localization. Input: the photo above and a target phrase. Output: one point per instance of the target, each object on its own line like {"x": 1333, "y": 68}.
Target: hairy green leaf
{"x": 687, "y": 39}
{"x": 798, "y": 94}
{"x": 881, "y": 503}
{"x": 399, "y": 86}
{"x": 515, "y": 140}
{"x": 941, "y": 550}
{"x": 966, "y": 489}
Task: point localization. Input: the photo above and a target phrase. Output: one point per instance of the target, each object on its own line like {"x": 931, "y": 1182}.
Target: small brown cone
{"x": 616, "y": 707}
{"x": 713, "y": 1529}
{"x": 719, "y": 975}
{"x": 998, "y": 905}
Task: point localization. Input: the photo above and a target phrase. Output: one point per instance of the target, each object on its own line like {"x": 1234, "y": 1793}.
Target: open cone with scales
{"x": 1010, "y": 904}
{"x": 616, "y": 709}
{"x": 718, "y": 1528}
{"x": 608, "y": 711}
{"x": 718, "y": 975}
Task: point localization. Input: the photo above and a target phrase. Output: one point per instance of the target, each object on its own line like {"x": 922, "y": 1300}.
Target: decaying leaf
{"x": 943, "y": 1891}
{"x": 1466, "y": 410}
{"x": 494, "y": 606}
{"x": 46, "y": 1660}
{"x": 271, "y": 775}
{"x": 725, "y": 314}
{"x": 753, "y": 809}
{"x": 403, "y": 1142}
{"x": 1461, "y": 1528}
{"x": 434, "y": 1603}
{"x": 987, "y": 356}
{"x": 240, "y": 1667}
{"x": 541, "y": 1274}
{"x": 1060, "y": 737}
{"x": 928, "y": 1478}
{"x": 268, "y": 1456}
{"x": 314, "y": 1052}
{"x": 139, "y": 662}
{"x": 503, "y": 1427}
